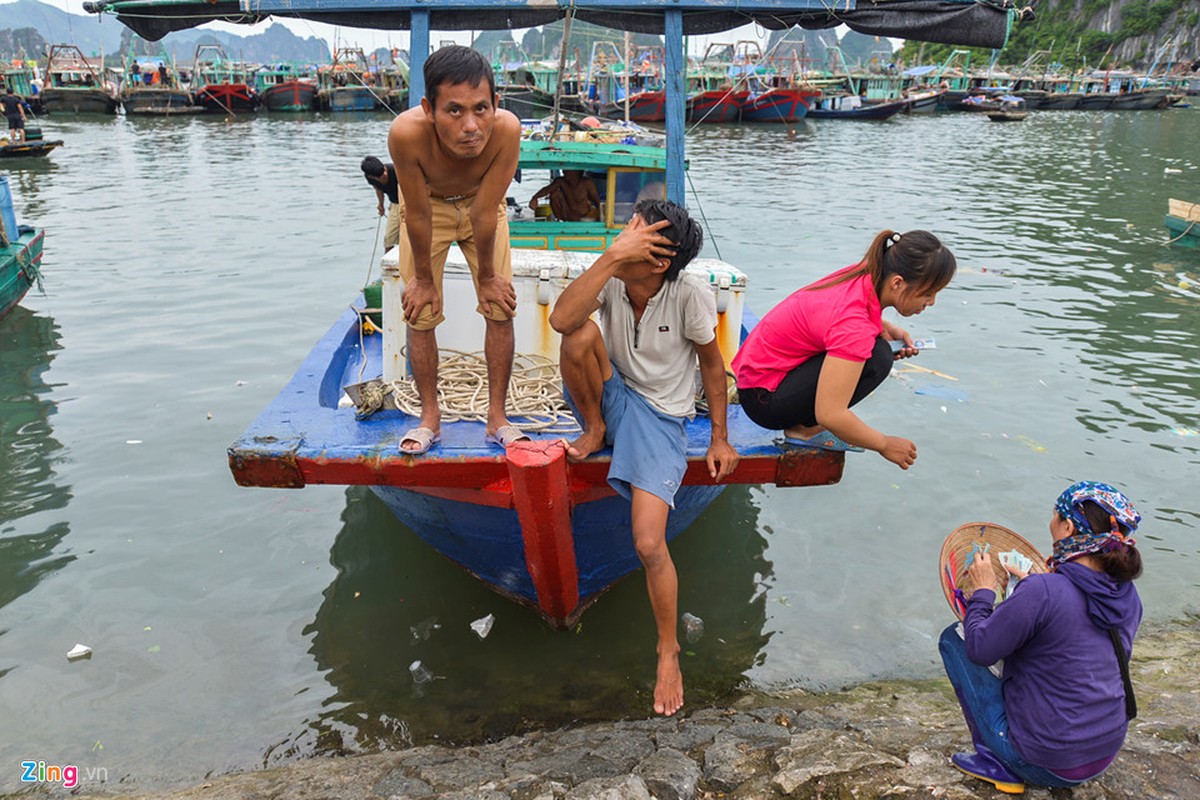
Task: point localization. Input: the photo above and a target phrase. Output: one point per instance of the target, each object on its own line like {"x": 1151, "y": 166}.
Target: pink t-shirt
{"x": 842, "y": 320}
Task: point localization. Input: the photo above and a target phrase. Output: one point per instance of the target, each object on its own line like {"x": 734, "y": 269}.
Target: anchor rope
{"x": 1186, "y": 231}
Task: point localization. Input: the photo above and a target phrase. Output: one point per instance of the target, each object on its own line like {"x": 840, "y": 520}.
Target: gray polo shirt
{"x": 656, "y": 356}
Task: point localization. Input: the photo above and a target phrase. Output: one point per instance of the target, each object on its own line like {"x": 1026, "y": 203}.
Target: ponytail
{"x": 918, "y": 257}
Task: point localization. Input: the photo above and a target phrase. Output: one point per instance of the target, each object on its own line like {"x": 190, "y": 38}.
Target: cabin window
{"x": 628, "y": 188}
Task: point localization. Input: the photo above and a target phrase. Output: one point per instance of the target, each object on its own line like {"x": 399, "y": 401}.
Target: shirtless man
{"x": 455, "y": 156}
{"x": 630, "y": 381}
{"x": 572, "y": 197}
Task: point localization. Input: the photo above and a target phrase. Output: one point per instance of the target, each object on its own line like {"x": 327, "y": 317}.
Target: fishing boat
{"x": 1183, "y": 221}
{"x": 632, "y": 91}
{"x": 152, "y": 88}
{"x": 532, "y": 525}
{"x": 20, "y": 253}
{"x": 851, "y": 106}
{"x": 544, "y": 532}
{"x": 1011, "y": 109}
{"x": 285, "y": 87}
{"x": 348, "y": 83}
{"x": 33, "y": 146}
{"x": 221, "y": 85}
{"x": 777, "y": 104}
{"x": 713, "y": 95}
{"x": 74, "y": 85}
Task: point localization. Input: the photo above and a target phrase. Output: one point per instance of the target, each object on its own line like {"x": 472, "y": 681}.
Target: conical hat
{"x": 958, "y": 552}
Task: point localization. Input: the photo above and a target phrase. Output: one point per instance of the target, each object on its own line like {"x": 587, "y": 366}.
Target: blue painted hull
{"x": 487, "y": 541}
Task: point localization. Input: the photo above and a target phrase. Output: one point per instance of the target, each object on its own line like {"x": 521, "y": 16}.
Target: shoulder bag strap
{"x": 1123, "y": 663}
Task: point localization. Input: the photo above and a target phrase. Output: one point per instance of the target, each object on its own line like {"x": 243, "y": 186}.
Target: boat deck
{"x": 294, "y": 442}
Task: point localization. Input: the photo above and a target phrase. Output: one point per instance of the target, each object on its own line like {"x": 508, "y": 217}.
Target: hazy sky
{"x": 369, "y": 39}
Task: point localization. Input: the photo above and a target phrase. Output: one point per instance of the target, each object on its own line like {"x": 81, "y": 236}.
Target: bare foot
{"x": 585, "y": 445}
{"x": 803, "y": 431}
{"x": 668, "y": 687}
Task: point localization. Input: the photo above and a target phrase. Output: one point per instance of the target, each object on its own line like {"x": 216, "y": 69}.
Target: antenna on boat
{"x": 628, "y": 57}
{"x": 562, "y": 66}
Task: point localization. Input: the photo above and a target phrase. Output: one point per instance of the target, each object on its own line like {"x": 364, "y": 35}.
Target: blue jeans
{"x": 981, "y": 695}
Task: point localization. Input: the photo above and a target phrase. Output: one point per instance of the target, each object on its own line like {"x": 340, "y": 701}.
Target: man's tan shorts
{"x": 452, "y": 223}
{"x": 395, "y": 220}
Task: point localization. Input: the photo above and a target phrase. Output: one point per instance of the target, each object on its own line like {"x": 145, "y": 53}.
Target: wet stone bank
{"x": 877, "y": 740}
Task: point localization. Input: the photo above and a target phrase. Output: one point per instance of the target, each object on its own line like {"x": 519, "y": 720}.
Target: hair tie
{"x": 895, "y": 238}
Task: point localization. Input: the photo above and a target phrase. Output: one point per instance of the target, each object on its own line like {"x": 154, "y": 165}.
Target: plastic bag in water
{"x": 693, "y": 627}
{"x": 483, "y": 625}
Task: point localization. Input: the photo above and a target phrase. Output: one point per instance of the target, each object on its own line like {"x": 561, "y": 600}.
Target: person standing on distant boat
{"x": 631, "y": 383}
{"x": 455, "y": 156}
{"x": 14, "y": 112}
{"x": 827, "y": 346}
{"x": 382, "y": 178}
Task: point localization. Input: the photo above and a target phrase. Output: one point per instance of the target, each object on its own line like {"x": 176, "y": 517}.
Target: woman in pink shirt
{"x": 827, "y": 346}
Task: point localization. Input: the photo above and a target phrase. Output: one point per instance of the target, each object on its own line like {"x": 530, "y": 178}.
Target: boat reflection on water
{"x": 396, "y": 601}
{"x": 29, "y": 538}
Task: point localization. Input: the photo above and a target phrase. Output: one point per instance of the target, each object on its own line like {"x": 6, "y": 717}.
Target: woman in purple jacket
{"x": 1058, "y": 716}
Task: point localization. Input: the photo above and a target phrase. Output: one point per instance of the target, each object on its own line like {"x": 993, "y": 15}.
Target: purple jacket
{"x": 1062, "y": 687}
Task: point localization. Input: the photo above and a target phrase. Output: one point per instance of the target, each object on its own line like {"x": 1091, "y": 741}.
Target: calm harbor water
{"x": 190, "y": 264}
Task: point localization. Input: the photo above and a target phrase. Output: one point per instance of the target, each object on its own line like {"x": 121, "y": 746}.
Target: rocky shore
{"x": 876, "y": 740}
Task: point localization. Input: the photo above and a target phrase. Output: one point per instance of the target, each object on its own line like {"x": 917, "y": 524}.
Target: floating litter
{"x": 1171, "y": 171}
{"x": 79, "y": 651}
{"x": 133, "y": 441}
{"x": 693, "y": 627}
{"x": 1031, "y": 444}
{"x": 483, "y": 625}
{"x": 420, "y": 673}
{"x": 944, "y": 392}
{"x": 424, "y": 628}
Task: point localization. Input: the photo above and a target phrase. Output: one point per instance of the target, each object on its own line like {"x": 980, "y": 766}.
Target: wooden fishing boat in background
{"x": 777, "y": 104}
{"x": 221, "y": 85}
{"x": 154, "y": 88}
{"x": 716, "y": 105}
{"x": 533, "y": 526}
{"x": 348, "y": 83}
{"x": 1011, "y": 109}
{"x": 20, "y": 252}
{"x": 285, "y": 87}
{"x": 73, "y": 85}
{"x": 1183, "y": 221}
{"x": 852, "y": 107}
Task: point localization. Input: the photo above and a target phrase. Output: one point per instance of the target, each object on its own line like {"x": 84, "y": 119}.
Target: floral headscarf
{"x": 1085, "y": 540}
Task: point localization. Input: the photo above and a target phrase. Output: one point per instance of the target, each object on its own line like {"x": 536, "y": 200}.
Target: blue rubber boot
{"x": 985, "y": 766}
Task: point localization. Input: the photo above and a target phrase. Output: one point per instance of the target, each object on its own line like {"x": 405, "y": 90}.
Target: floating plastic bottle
{"x": 693, "y": 627}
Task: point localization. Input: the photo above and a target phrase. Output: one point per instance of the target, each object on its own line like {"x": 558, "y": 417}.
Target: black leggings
{"x": 794, "y": 401}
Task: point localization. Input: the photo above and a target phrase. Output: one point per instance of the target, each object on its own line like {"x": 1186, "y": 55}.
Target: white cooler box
{"x": 538, "y": 277}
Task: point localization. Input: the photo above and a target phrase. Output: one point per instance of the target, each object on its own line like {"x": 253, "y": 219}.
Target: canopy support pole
{"x": 674, "y": 83}
{"x": 418, "y": 51}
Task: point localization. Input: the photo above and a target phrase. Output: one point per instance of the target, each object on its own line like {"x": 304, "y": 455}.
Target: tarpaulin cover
{"x": 973, "y": 23}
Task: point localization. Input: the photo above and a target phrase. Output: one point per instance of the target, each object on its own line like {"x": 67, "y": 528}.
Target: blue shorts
{"x": 649, "y": 447}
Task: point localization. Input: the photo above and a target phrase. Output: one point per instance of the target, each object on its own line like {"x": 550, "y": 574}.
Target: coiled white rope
{"x": 535, "y": 402}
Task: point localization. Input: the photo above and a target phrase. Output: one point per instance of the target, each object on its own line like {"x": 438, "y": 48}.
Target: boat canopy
{"x": 979, "y": 23}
